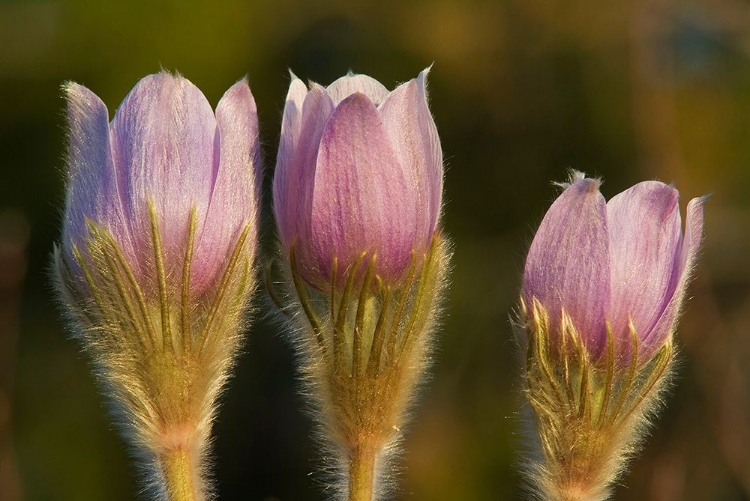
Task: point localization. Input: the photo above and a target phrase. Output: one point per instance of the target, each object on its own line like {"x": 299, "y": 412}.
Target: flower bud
{"x": 357, "y": 195}
{"x": 359, "y": 173}
{"x": 603, "y": 286}
{"x": 156, "y": 259}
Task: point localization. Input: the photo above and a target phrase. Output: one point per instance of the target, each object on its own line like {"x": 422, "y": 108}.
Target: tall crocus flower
{"x": 155, "y": 264}
{"x": 603, "y": 286}
{"x": 357, "y": 196}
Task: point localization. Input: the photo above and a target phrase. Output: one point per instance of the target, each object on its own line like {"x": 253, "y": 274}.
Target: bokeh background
{"x": 521, "y": 91}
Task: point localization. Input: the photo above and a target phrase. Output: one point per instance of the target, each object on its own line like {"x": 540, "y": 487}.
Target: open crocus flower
{"x": 359, "y": 171}
{"x": 622, "y": 265}
{"x": 602, "y": 290}
{"x": 155, "y": 264}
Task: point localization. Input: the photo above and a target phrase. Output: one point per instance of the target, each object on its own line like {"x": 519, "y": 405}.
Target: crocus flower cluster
{"x": 603, "y": 287}
{"x": 156, "y": 259}
{"x": 157, "y": 264}
{"x": 357, "y": 195}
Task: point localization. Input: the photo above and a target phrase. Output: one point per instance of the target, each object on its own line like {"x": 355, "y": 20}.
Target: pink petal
{"x": 362, "y": 200}
{"x": 291, "y": 122}
{"x": 92, "y": 181}
{"x": 685, "y": 261}
{"x": 295, "y": 169}
{"x": 163, "y": 137}
{"x": 644, "y": 238}
{"x": 234, "y": 201}
{"x": 413, "y": 135}
{"x": 350, "y": 84}
{"x": 568, "y": 263}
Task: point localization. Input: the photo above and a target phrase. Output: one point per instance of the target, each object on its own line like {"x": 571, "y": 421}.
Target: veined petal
{"x": 644, "y": 242}
{"x": 234, "y": 201}
{"x": 92, "y": 181}
{"x": 350, "y": 84}
{"x": 362, "y": 200}
{"x": 163, "y": 137}
{"x": 567, "y": 268}
{"x": 685, "y": 260}
{"x": 413, "y": 135}
{"x": 294, "y": 179}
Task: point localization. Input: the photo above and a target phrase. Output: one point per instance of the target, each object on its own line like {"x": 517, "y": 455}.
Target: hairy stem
{"x": 180, "y": 481}
{"x": 361, "y": 473}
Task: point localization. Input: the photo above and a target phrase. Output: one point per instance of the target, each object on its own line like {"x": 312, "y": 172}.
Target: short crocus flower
{"x": 357, "y": 197}
{"x": 614, "y": 267}
{"x": 359, "y": 170}
{"x": 156, "y": 259}
{"x": 603, "y": 287}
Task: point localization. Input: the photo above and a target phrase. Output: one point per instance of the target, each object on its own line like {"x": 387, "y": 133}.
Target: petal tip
{"x": 701, "y": 200}
{"x": 75, "y": 92}
{"x": 575, "y": 177}
{"x": 422, "y": 77}
{"x": 240, "y": 90}
{"x": 82, "y": 101}
{"x": 70, "y": 87}
{"x": 357, "y": 100}
{"x": 589, "y": 185}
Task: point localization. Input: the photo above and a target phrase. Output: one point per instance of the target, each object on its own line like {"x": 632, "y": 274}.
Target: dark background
{"x": 521, "y": 90}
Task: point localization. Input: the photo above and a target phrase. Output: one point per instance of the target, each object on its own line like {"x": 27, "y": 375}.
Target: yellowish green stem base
{"x": 361, "y": 474}
{"x": 179, "y": 477}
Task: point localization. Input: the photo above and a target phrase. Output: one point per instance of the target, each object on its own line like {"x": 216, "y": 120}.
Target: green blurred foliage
{"x": 521, "y": 91}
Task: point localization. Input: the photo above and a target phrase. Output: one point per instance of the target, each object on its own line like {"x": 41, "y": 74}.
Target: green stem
{"x": 179, "y": 477}
{"x": 361, "y": 473}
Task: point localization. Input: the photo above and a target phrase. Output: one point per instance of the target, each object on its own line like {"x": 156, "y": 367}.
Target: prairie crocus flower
{"x": 359, "y": 171}
{"x": 357, "y": 196}
{"x": 603, "y": 287}
{"x": 155, "y": 264}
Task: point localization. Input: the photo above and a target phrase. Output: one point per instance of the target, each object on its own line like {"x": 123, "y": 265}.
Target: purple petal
{"x": 295, "y": 169}
{"x": 568, "y": 263}
{"x": 350, "y": 84}
{"x": 362, "y": 200}
{"x": 644, "y": 241}
{"x": 234, "y": 201}
{"x": 413, "y": 135}
{"x": 163, "y": 138}
{"x": 92, "y": 181}
{"x": 685, "y": 262}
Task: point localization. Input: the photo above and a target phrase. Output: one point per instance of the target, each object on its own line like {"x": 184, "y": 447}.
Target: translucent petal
{"x": 350, "y": 84}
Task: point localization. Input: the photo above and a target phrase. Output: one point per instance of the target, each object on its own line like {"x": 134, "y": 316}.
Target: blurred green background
{"x": 521, "y": 91}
